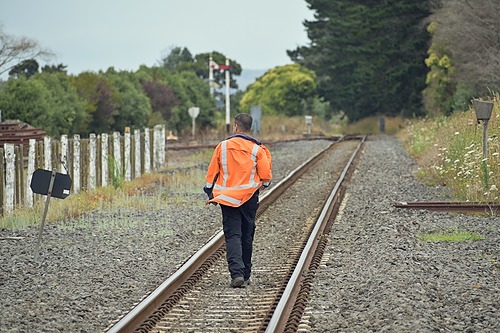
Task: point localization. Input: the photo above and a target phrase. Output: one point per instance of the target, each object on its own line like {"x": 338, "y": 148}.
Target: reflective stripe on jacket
{"x": 239, "y": 166}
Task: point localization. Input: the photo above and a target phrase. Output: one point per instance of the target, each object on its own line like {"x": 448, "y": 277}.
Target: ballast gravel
{"x": 377, "y": 275}
{"x": 92, "y": 269}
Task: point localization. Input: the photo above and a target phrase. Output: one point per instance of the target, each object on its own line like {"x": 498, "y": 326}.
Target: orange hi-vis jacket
{"x": 240, "y": 165}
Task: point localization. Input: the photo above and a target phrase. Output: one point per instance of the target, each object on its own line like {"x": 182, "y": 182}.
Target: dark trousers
{"x": 239, "y": 228}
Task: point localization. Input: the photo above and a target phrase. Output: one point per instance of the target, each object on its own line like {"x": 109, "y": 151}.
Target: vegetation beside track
{"x": 449, "y": 151}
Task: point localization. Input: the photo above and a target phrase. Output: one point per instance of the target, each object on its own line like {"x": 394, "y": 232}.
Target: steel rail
{"x": 282, "y": 312}
{"x": 458, "y": 207}
{"x": 142, "y": 311}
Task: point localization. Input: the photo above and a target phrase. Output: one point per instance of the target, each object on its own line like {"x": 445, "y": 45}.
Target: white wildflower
{"x": 493, "y": 188}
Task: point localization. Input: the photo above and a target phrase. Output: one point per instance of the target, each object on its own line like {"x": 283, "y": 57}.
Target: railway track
{"x": 287, "y": 248}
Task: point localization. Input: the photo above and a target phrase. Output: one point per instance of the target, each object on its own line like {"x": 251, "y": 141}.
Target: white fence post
{"x": 92, "y": 161}
{"x": 31, "y": 169}
{"x": 47, "y": 151}
{"x": 64, "y": 154}
{"x": 117, "y": 154}
{"x": 149, "y": 155}
{"x": 127, "y": 162}
{"x": 104, "y": 159}
{"x": 137, "y": 140}
{"x": 157, "y": 148}
{"x": 10, "y": 177}
{"x": 162, "y": 146}
{"x": 147, "y": 152}
{"x": 76, "y": 163}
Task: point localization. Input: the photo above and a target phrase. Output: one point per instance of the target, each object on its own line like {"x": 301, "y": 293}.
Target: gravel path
{"x": 378, "y": 277}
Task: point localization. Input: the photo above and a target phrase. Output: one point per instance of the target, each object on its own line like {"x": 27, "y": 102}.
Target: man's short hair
{"x": 244, "y": 121}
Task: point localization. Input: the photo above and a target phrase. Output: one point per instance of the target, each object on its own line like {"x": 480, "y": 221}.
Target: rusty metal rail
{"x": 289, "y": 309}
{"x": 143, "y": 317}
{"x": 457, "y": 207}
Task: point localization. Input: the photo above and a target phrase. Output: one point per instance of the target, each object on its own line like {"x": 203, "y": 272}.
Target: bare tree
{"x": 471, "y": 30}
{"x": 14, "y": 50}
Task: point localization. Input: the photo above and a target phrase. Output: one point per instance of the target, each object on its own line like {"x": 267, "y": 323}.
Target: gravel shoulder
{"x": 379, "y": 277}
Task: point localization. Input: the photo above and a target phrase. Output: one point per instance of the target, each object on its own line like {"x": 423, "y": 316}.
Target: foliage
{"x": 368, "y": 56}
{"x": 25, "y": 100}
{"x": 440, "y": 86}
{"x": 133, "y": 106}
{"x": 117, "y": 178}
{"x": 27, "y": 68}
{"x": 162, "y": 97}
{"x": 181, "y": 60}
{"x": 66, "y": 112}
{"x": 101, "y": 101}
{"x": 283, "y": 90}
{"x": 193, "y": 92}
{"x": 178, "y": 59}
{"x": 469, "y": 29}
{"x": 188, "y": 91}
{"x": 450, "y": 152}
{"x": 54, "y": 68}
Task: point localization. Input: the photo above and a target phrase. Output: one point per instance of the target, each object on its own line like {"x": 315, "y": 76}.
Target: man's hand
{"x": 208, "y": 191}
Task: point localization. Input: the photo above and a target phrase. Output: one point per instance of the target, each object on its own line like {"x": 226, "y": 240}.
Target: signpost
{"x": 483, "y": 112}
{"x": 194, "y": 112}
{"x": 51, "y": 184}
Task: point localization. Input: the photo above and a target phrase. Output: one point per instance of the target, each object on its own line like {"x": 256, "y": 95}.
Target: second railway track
{"x": 210, "y": 305}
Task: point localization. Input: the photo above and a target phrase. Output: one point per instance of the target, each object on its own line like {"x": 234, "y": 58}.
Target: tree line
{"x": 111, "y": 100}
{"x": 402, "y": 57}
{"x": 388, "y": 57}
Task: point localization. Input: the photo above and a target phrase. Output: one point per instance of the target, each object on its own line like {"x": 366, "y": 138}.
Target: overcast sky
{"x": 96, "y": 34}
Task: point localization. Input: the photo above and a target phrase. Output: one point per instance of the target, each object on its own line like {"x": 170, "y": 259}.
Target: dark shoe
{"x": 237, "y": 282}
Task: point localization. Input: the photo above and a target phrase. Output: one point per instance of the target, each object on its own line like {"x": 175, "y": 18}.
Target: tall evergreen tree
{"x": 368, "y": 55}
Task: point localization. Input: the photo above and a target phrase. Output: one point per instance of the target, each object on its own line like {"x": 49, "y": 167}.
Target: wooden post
{"x": 127, "y": 165}
{"x": 147, "y": 151}
{"x": 76, "y": 163}
{"x": 2, "y": 183}
{"x": 117, "y": 156}
{"x": 104, "y": 159}
{"x": 31, "y": 169}
{"x": 19, "y": 175}
{"x": 47, "y": 153}
{"x": 137, "y": 159}
{"x": 64, "y": 154}
{"x": 92, "y": 161}
{"x": 9, "y": 177}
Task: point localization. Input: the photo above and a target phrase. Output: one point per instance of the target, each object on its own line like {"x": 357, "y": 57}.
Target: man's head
{"x": 243, "y": 123}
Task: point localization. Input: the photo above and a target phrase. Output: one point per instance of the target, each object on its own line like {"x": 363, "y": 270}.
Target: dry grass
{"x": 450, "y": 152}
{"x": 148, "y": 192}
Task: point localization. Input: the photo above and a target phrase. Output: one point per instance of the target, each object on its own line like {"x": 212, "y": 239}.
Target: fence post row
{"x": 87, "y": 160}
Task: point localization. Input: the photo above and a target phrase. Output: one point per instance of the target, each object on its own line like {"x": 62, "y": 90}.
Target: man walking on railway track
{"x": 239, "y": 167}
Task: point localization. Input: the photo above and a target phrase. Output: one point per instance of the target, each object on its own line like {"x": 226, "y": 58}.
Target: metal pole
{"x": 193, "y": 125}
{"x": 485, "y": 138}
{"x": 49, "y": 194}
{"x": 211, "y": 75}
{"x": 228, "y": 119}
